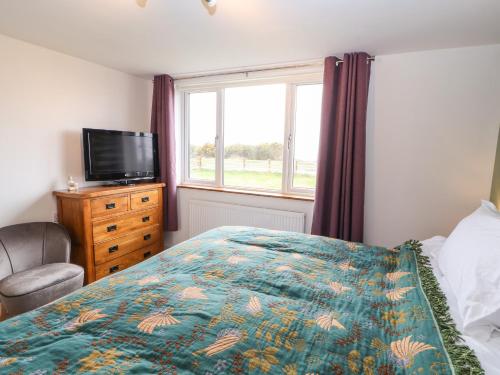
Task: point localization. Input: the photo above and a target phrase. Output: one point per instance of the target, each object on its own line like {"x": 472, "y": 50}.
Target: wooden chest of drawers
{"x": 112, "y": 227}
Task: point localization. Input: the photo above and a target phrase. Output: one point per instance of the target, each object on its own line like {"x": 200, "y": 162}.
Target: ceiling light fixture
{"x": 210, "y": 3}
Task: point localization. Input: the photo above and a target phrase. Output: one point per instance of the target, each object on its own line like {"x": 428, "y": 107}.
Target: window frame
{"x": 218, "y": 84}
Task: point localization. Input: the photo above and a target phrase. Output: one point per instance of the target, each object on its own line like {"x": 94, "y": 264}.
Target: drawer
{"x": 112, "y": 249}
{"x": 100, "y": 207}
{"x": 116, "y": 227}
{"x": 143, "y": 199}
{"x": 126, "y": 261}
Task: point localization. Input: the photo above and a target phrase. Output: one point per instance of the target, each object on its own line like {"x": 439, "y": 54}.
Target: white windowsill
{"x": 248, "y": 192}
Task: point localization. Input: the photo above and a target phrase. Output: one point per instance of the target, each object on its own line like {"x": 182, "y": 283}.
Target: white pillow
{"x": 470, "y": 262}
{"x": 431, "y": 248}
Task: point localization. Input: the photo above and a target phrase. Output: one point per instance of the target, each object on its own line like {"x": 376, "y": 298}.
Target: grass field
{"x": 261, "y": 180}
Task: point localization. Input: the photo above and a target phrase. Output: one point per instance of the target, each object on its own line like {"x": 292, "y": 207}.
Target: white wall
{"x": 432, "y": 132}
{"x": 46, "y": 98}
{"x": 433, "y": 119}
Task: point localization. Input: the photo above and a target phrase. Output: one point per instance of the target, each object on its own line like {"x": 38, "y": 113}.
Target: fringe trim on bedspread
{"x": 463, "y": 358}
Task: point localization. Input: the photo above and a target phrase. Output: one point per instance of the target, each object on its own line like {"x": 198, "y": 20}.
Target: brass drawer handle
{"x": 110, "y": 206}
{"x": 147, "y": 237}
{"x": 114, "y": 269}
{"x": 144, "y": 199}
{"x": 113, "y": 249}
{"x": 145, "y": 219}
{"x": 147, "y": 254}
{"x": 112, "y": 228}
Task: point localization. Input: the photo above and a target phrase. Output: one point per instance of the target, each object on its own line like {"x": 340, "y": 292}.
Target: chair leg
{"x": 2, "y": 318}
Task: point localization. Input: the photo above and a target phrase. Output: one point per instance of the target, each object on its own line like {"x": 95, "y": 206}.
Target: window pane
{"x": 307, "y": 124}
{"x": 254, "y": 124}
{"x": 202, "y": 132}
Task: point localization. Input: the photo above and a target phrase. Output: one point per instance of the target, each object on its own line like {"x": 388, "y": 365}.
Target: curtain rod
{"x": 247, "y": 71}
{"x": 258, "y": 70}
{"x": 371, "y": 58}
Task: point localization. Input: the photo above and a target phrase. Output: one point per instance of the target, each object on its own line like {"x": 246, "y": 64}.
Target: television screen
{"x": 117, "y": 155}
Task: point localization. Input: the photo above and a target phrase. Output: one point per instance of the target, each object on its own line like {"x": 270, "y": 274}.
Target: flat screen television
{"x": 120, "y": 156}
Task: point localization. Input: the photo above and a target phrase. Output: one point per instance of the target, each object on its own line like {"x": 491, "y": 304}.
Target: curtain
{"x": 340, "y": 186}
{"x": 163, "y": 123}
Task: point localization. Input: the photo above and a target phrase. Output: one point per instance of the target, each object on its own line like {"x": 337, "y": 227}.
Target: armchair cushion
{"x": 27, "y": 290}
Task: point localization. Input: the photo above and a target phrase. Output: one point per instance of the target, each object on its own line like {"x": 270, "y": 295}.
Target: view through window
{"x": 202, "y": 135}
{"x": 254, "y": 126}
{"x": 307, "y": 121}
{"x": 265, "y": 137}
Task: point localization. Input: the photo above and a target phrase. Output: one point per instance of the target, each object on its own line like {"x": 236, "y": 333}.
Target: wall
{"x": 46, "y": 98}
{"x": 495, "y": 184}
{"x": 432, "y": 127}
{"x": 432, "y": 132}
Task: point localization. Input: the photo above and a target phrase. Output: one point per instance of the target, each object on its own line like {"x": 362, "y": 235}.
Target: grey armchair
{"x": 34, "y": 266}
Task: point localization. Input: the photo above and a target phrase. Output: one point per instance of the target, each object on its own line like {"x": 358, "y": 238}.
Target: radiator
{"x": 206, "y": 215}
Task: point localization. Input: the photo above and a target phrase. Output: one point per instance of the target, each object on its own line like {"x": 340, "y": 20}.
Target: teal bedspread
{"x": 240, "y": 300}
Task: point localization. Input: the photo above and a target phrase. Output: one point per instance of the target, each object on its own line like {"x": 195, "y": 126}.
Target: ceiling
{"x": 181, "y": 36}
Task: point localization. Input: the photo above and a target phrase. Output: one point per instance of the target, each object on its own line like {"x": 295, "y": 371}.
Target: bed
{"x": 240, "y": 300}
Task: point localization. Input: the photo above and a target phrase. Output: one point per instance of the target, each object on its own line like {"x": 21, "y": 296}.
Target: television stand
{"x": 112, "y": 227}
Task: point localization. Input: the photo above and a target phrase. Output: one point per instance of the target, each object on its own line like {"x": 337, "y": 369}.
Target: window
{"x": 307, "y": 120}
{"x": 254, "y": 124}
{"x": 254, "y": 135}
{"x": 202, "y": 134}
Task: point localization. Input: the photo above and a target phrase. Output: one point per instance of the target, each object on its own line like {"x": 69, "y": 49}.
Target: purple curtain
{"x": 163, "y": 123}
{"x": 340, "y": 187}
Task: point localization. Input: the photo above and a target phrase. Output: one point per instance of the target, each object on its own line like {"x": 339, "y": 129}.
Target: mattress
{"x": 488, "y": 351}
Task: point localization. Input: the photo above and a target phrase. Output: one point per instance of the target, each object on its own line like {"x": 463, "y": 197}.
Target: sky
{"x": 256, "y": 114}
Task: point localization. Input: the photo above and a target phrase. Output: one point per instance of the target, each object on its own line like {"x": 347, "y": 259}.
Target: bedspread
{"x": 240, "y": 300}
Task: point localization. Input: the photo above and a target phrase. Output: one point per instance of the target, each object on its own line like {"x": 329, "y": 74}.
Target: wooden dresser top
{"x": 100, "y": 191}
